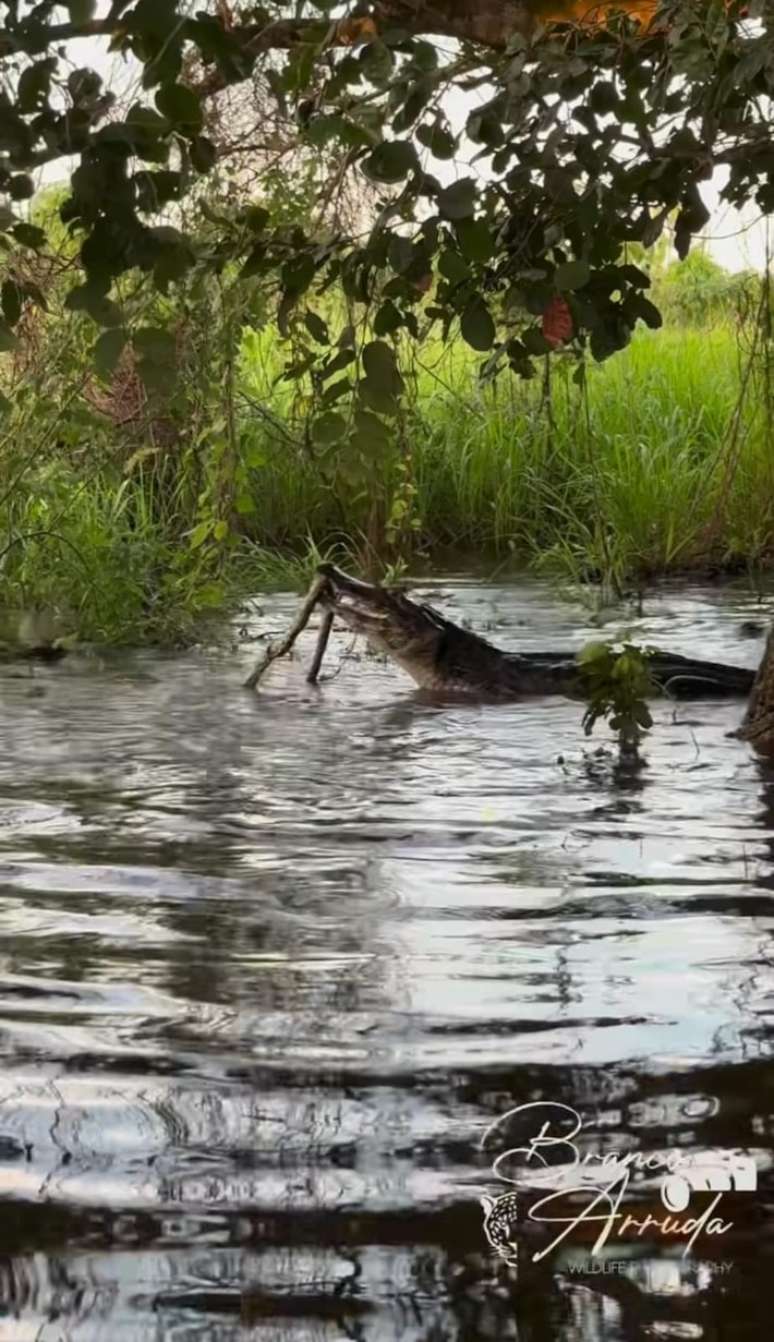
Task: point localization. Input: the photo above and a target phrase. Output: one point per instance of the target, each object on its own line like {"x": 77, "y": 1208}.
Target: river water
{"x": 271, "y": 965}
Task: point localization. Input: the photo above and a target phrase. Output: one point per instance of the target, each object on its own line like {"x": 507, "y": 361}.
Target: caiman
{"x": 445, "y": 659}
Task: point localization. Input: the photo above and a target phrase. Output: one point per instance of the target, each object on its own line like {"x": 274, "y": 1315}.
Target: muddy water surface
{"x": 270, "y": 967}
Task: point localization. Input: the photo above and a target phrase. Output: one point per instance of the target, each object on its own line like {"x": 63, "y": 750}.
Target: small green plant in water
{"x": 618, "y": 684}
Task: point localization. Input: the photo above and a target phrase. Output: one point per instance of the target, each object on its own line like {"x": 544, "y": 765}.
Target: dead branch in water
{"x": 280, "y": 649}
{"x": 322, "y": 643}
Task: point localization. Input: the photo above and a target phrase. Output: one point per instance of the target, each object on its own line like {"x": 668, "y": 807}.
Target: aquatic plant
{"x": 619, "y": 684}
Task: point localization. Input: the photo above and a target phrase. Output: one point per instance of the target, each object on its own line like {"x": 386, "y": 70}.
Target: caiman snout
{"x": 394, "y": 625}
{"x": 361, "y": 605}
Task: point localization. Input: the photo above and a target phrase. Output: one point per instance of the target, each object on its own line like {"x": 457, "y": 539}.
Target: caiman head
{"x": 408, "y": 633}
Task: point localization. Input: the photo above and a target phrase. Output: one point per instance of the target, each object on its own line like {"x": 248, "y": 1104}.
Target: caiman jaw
{"x": 354, "y": 614}
{"x": 393, "y": 625}
{"x": 356, "y": 602}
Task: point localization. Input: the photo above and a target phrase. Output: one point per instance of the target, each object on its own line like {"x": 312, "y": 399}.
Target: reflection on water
{"x": 269, "y": 966}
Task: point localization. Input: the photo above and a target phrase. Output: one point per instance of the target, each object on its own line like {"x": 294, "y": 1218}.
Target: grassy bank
{"x": 663, "y": 462}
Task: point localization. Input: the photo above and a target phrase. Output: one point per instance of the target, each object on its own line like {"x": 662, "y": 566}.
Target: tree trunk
{"x": 758, "y": 724}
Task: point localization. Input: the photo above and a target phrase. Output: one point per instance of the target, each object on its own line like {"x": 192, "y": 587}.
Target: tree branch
{"x": 41, "y": 38}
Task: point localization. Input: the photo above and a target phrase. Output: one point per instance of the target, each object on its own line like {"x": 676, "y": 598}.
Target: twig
{"x": 276, "y": 650}
{"x": 322, "y": 643}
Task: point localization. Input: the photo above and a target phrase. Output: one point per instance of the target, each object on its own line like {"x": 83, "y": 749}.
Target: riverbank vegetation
{"x": 142, "y": 500}
{"x": 285, "y": 304}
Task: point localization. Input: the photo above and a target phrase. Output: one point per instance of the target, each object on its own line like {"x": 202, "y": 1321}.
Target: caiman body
{"x": 445, "y": 659}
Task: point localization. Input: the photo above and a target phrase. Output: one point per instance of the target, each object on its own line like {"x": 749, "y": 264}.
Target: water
{"x": 270, "y": 966}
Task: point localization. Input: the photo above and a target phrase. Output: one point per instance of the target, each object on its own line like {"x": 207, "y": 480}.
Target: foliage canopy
{"x": 586, "y": 138}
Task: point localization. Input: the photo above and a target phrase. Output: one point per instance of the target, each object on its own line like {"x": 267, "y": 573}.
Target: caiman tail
{"x": 441, "y": 657}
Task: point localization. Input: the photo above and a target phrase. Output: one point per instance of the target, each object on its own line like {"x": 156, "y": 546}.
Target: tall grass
{"x": 628, "y": 476}
{"x": 662, "y": 461}
{"x": 100, "y": 555}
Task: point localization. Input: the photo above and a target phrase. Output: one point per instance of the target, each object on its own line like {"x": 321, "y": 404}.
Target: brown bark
{"x": 488, "y": 23}
{"x": 758, "y": 724}
{"x": 492, "y": 23}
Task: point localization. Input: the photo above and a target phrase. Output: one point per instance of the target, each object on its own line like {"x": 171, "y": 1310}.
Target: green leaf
{"x": 254, "y": 457}
{"x": 370, "y": 431}
{"x": 107, "y": 351}
{"x": 322, "y": 129}
{"x": 458, "y": 201}
{"x": 21, "y": 187}
{"x": 157, "y": 377}
{"x": 83, "y": 85}
{"x": 181, "y": 106}
{"x": 256, "y": 262}
{"x": 634, "y": 276}
{"x": 35, "y": 85}
{"x": 453, "y": 267}
{"x": 341, "y": 360}
{"x": 475, "y": 239}
{"x": 535, "y": 342}
{"x": 29, "y": 235}
{"x": 377, "y": 62}
{"x": 203, "y": 153}
{"x": 211, "y": 595}
{"x": 220, "y": 530}
{"x": 375, "y": 396}
{"x": 328, "y": 428}
{"x": 381, "y": 367}
{"x": 604, "y": 97}
{"x": 92, "y": 298}
{"x": 105, "y": 312}
{"x": 592, "y": 652}
{"x": 485, "y": 127}
{"x": 609, "y": 336}
{"x": 316, "y": 327}
{"x": 642, "y": 307}
{"x": 400, "y": 253}
{"x": 34, "y": 291}
{"x": 388, "y": 319}
{"x": 12, "y": 302}
{"x": 334, "y": 393}
{"x": 144, "y": 132}
{"x": 156, "y": 189}
{"x": 413, "y": 106}
{"x": 390, "y": 161}
{"x": 298, "y": 273}
{"x": 478, "y": 328}
{"x": 572, "y": 275}
{"x": 155, "y": 343}
{"x": 440, "y": 141}
{"x": 256, "y": 217}
{"x": 200, "y": 534}
{"x": 299, "y": 69}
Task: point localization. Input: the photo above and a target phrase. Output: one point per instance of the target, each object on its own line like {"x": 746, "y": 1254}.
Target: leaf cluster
{"x": 617, "y": 683}
{"x": 589, "y": 142}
